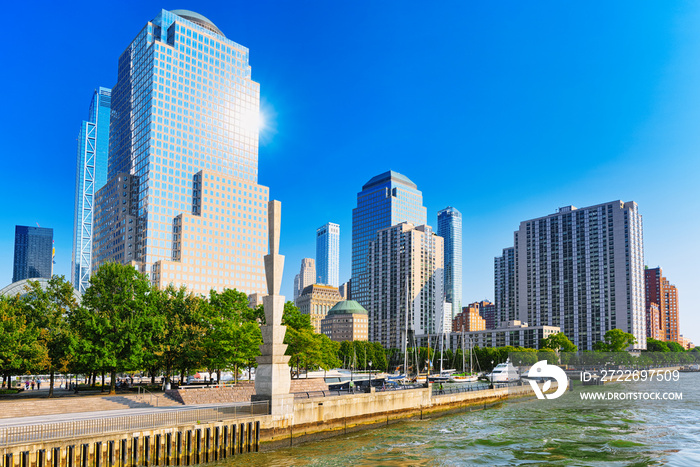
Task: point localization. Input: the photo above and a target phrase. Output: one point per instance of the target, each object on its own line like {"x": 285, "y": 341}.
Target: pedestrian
{"x": 38, "y": 385}
{"x": 352, "y": 387}
{"x": 26, "y": 385}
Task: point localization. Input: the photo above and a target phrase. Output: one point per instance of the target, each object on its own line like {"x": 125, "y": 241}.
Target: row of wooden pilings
{"x": 179, "y": 447}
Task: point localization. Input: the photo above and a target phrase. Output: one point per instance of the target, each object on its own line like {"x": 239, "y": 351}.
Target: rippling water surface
{"x": 565, "y": 431}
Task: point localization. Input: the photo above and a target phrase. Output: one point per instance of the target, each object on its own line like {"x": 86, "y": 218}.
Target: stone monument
{"x": 272, "y": 378}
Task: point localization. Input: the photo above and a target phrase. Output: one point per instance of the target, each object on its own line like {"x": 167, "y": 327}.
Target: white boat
{"x": 463, "y": 378}
{"x": 504, "y": 373}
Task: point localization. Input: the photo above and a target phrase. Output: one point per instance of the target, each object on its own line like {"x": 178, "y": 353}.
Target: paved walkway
{"x": 70, "y": 417}
{"x": 31, "y": 403}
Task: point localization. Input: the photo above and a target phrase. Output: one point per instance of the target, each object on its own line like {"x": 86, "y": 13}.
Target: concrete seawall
{"x": 197, "y": 443}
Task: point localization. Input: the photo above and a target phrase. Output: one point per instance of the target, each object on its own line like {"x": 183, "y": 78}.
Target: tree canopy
{"x": 616, "y": 340}
{"x": 558, "y": 342}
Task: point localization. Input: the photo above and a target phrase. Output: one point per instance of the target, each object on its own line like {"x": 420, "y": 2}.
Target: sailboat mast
{"x": 463, "y": 349}
{"x": 442, "y": 334}
{"x": 405, "y": 330}
{"x": 470, "y": 355}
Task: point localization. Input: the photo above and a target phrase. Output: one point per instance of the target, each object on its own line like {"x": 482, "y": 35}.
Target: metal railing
{"x": 142, "y": 391}
{"x": 357, "y": 390}
{"x": 481, "y": 386}
{"x": 81, "y": 428}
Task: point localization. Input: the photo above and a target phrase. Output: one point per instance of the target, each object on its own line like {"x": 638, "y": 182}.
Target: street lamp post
{"x": 491, "y": 374}
{"x": 370, "y": 375}
{"x": 352, "y": 384}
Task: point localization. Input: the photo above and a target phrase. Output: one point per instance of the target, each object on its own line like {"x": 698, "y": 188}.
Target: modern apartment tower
{"x": 505, "y": 286}
{"x": 328, "y": 254}
{"x": 306, "y": 276}
{"x": 90, "y": 176}
{"x": 33, "y": 253}
{"x": 661, "y": 306}
{"x": 184, "y": 126}
{"x": 405, "y": 271}
{"x": 385, "y": 200}
{"x": 583, "y": 270}
{"x": 449, "y": 227}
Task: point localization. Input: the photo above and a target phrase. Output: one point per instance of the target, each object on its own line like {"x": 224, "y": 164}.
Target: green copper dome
{"x": 347, "y": 307}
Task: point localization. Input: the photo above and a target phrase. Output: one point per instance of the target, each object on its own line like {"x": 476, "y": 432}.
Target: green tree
{"x": 294, "y": 319}
{"x": 616, "y": 340}
{"x": 654, "y": 345}
{"x": 233, "y": 336}
{"x": 558, "y": 342}
{"x": 20, "y": 349}
{"x": 178, "y": 342}
{"x": 675, "y": 347}
{"x": 116, "y": 319}
{"x": 549, "y": 355}
{"x": 306, "y": 348}
{"x": 48, "y": 309}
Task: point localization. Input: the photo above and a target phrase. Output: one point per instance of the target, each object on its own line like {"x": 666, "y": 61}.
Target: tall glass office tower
{"x": 328, "y": 254}
{"x": 33, "y": 253}
{"x": 450, "y": 229}
{"x": 184, "y": 135}
{"x": 90, "y": 176}
{"x": 386, "y": 200}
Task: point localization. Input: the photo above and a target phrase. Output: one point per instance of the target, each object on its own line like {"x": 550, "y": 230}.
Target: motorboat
{"x": 503, "y": 373}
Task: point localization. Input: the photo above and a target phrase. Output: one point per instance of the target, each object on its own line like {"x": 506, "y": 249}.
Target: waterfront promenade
{"x": 183, "y": 435}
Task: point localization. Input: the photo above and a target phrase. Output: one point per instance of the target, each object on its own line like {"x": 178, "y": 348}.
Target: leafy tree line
{"x": 125, "y": 325}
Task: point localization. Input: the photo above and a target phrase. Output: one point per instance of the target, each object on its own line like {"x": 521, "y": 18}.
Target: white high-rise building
{"x": 582, "y": 270}
{"x": 328, "y": 254}
{"x": 184, "y": 129}
{"x": 305, "y": 278}
{"x": 400, "y": 256}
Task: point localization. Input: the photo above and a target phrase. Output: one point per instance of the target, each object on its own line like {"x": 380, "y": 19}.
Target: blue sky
{"x": 505, "y": 110}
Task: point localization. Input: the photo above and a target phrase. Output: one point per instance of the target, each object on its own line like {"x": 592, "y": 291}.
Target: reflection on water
{"x": 566, "y": 431}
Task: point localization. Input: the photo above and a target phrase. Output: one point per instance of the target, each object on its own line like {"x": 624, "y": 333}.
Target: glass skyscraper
{"x": 90, "y": 176}
{"x": 450, "y": 229}
{"x": 184, "y": 134}
{"x": 386, "y": 200}
{"x": 33, "y": 253}
{"x": 328, "y": 254}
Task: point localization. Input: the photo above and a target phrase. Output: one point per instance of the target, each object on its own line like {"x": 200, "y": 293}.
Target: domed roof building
{"x": 346, "y": 321}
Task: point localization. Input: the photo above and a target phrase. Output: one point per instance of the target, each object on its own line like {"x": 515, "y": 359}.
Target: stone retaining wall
{"x": 240, "y": 392}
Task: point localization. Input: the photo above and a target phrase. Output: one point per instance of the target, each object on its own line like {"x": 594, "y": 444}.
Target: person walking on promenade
{"x": 26, "y": 385}
{"x": 38, "y": 384}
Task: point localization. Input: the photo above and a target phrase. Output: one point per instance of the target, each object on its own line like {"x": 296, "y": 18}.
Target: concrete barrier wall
{"x": 323, "y": 417}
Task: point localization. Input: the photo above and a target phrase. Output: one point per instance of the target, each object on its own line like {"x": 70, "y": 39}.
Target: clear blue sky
{"x": 505, "y": 110}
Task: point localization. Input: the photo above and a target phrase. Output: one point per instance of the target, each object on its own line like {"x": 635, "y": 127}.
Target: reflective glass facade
{"x": 386, "y": 200}
{"x": 90, "y": 176}
{"x": 328, "y": 254}
{"x": 33, "y": 253}
{"x": 185, "y": 124}
{"x": 450, "y": 229}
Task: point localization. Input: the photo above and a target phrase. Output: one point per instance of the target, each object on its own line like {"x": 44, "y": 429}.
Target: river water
{"x": 566, "y": 431}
